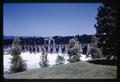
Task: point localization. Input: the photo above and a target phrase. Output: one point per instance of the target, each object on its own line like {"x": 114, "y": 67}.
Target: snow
{"x": 32, "y": 59}
{"x": 6, "y": 61}
{"x": 84, "y": 58}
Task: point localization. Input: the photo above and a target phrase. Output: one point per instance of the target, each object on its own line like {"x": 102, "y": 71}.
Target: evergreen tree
{"x": 74, "y": 50}
{"x": 60, "y": 60}
{"x": 17, "y": 63}
{"x": 106, "y": 27}
{"x": 95, "y": 52}
{"x": 44, "y": 61}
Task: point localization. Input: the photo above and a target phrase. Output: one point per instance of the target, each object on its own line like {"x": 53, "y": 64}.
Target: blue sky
{"x": 49, "y": 19}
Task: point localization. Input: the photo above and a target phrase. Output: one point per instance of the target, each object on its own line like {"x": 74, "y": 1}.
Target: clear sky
{"x": 49, "y": 19}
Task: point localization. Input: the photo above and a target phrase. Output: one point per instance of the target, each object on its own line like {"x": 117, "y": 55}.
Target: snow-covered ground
{"x": 33, "y": 59}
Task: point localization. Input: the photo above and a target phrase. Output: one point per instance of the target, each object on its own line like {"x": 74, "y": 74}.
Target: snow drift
{"x": 32, "y": 59}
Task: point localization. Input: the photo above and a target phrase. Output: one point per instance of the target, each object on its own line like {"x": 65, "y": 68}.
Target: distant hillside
{"x": 40, "y": 40}
{"x": 8, "y": 37}
{"x": 78, "y": 70}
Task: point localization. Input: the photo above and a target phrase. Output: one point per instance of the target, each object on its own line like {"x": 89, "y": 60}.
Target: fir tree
{"x": 74, "y": 50}
{"x": 105, "y": 30}
{"x": 44, "y": 61}
{"x": 17, "y": 63}
{"x": 95, "y": 52}
{"x": 60, "y": 60}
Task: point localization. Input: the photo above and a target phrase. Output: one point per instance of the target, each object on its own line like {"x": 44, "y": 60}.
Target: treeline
{"x": 58, "y": 40}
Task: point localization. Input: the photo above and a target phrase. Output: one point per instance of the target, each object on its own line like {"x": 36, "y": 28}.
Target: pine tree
{"x": 74, "y": 50}
{"x": 60, "y": 60}
{"x": 17, "y": 63}
{"x": 44, "y": 61}
{"x": 105, "y": 30}
{"x": 95, "y": 52}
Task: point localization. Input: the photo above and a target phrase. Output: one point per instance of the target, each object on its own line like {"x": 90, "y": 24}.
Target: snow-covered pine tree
{"x": 74, "y": 50}
{"x": 44, "y": 61}
{"x": 17, "y": 63}
{"x": 95, "y": 52}
{"x": 60, "y": 60}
